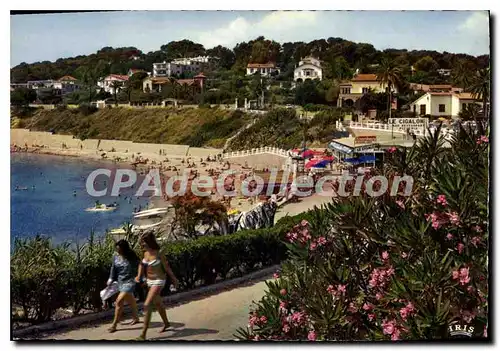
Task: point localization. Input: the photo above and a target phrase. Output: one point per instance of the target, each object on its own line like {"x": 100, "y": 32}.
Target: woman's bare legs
{"x": 148, "y": 309}
{"x": 133, "y": 306}
{"x": 120, "y": 300}
{"x": 160, "y": 307}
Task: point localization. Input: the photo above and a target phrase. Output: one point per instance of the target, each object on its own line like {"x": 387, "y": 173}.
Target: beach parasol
{"x": 322, "y": 164}
{"x": 329, "y": 158}
{"x": 307, "y": 154}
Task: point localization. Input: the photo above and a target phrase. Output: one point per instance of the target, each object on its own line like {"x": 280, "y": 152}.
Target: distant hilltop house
{"x": 155, "y": 84}
{"x": 442, "y": 104}
{"x": 107, "y": 82}
{"x": 361, "y": 84}
{"x": 181, "y": 65}
{"x": 308, "y": 68}
{"x": 265, "y": 69}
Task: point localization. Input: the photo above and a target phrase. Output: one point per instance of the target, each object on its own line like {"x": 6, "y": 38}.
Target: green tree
{"x": 224, "y": 55}
{"x": 480, "y": 89}
{"x": 461, "y": 74}
{"x": 182, "y": 48}
{"x": 426, "y": 64}
{"x": 22, "y": 96}
{"x": 116, "y": 86}
{"x": 389, "y": 72}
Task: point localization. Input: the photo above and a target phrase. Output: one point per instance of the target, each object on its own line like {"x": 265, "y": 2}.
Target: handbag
{"x": 109, "y": 291}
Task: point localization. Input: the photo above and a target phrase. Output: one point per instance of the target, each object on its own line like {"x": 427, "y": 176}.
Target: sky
{"x": 52, "y": 36}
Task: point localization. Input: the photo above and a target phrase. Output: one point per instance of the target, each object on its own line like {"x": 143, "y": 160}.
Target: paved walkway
{"x": 214, "y": 317}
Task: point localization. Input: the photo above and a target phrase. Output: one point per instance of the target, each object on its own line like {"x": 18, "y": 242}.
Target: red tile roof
{"x": 261, "y": 65}
{"x": 365, "y": 78}
{"x": 118, "y": 76}
{"x": 66, "y": 78}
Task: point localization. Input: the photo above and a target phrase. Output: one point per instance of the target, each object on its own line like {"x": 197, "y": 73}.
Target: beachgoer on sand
{"x": 124, "y": 270}
{"x": 156, "y": 269}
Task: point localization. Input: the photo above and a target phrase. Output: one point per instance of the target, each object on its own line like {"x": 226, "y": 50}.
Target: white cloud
{"x": 478, "y": 23}
{"x": 276, "y": 25}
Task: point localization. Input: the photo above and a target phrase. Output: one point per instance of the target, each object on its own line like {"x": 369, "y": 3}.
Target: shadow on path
{"x": 182, "y": 333}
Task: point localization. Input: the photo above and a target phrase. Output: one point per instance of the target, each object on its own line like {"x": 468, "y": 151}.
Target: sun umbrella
{"x": 322, "y": 164}
{"x": 329, "y": 158}
{"x": 307, "y": 154}
{"x": 311, "y": 163}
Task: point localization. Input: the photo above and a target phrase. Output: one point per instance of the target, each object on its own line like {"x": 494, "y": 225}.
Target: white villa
{"x": 308, "y": 68}
{"x": 108, "y": 81}
{"x": 265, "y": 69}
{"x": 442, "y": 104}
{"x": 181, "y": 65}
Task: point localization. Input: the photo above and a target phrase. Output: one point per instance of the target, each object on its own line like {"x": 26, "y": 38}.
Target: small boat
{"x": 101, "y": 208}
{"x": 151, "y": 213}
{"x": 21, "y": 188}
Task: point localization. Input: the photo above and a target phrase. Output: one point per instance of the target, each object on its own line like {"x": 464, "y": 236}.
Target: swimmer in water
{"x": 50, "y": 182}
{"x": 74, "y": 192}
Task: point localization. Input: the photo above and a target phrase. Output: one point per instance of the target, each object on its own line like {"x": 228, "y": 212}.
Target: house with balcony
{"x": 67, "y": 85}
{"x": 156, "y": 84}
{"x": 108, "y": 82}
{"x": 265, "y": 69}
{"x": 442, "y": 104}
{"x": 361, "y": 84}
{"x": 189, "y": 65}
{"x": 308, "y": 68}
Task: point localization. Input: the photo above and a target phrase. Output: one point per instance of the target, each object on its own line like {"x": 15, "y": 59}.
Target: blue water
{"x": 51, "y": 209}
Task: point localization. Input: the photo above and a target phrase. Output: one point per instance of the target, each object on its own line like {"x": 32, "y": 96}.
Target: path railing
{"x": 261, "y": 150}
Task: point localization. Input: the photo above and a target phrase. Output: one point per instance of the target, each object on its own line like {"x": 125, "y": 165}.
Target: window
{"x": 442, "y": 108}
{"x": 422, "y": 110}
{"x": 364, "y": 90}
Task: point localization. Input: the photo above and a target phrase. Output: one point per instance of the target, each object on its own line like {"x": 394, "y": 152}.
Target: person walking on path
{"x": 124, "y": 270}
{"x": 156, "y": 269}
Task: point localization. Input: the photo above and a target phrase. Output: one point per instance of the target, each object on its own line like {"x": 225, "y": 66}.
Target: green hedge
{"x": 45, "y": 277}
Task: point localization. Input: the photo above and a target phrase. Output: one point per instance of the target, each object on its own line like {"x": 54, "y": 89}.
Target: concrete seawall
{"x": 53, "y": 143}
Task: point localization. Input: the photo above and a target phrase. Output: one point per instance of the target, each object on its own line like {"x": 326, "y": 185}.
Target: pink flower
{"x": 388, "y": 327}
{"x": 454, "y": 218}
{"x": 286, "y": 328}
{"x": 341, "y": 288}
{"x": 449, "y": 236}
{"x": 391, "y": 149}
{"x": 379, "y": 296}
{"x": 298, "y": 318}
{"x": 263, "y": 319}
{"x": 304, "y": 223}
{"x": 282, "y": 304}
{"x": 485, "y": 332}
{"x": 482, "y": 139}
{"x": 441, "y": 199}
{"x": 475, "y": 241}
{"x": 464, "y": 276}
{"x": 367, "y": 306}
{"x": 390, "y": 271}
{"x": 352, "y": 308}
{"x": 455, "y": 275}
{"x": 253, "y": 320}
{"x": 477, "y": 229}
{"x": 395, "y": 335}
{"x": 400, "y": 204}
{"x": 385, "y": 255}
{"x": 468, "y": 316}
{"x": 313, "y": 246}
{"x": 311, "y": 336}
{"x": 460, "y": 247}
{"x": 276, "y": 275}
{"x": 410, "y": 307}
{"x": 371, "y": 316}
{"x": 470, "y": 289}
{"x": 330, "y": 289}
{"x": 256, "y": 337}
{"x": 321, "y": 241}
{"x": 404, "y": 313}
{"x": 404, "y": 255}
{"x": 283, "y": 292}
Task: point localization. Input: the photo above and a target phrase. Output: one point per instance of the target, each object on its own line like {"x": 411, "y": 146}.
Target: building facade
{"x": 108, "y": 82}
{"x": 189, "y": 65}
{"x": 308, "y": 68}
{"x": 361, "y": 84}
{"x": 265, "y": 69}
{"x": 442, "y": 104}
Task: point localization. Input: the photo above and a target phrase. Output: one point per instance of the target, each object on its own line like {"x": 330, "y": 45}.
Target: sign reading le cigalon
{"x": 408, "y": 121}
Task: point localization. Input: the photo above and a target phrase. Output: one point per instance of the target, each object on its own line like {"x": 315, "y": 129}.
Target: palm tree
{"x": 480, "y": 89}
{"x": 116, "y": 86}
{"x": 461, "y": 74}
{"x": 389, "y": 72}
{"x": 127, "y": 89}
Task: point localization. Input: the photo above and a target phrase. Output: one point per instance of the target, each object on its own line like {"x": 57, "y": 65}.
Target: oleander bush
{"x": 47, "y": 277}
{"x": 390, "y": 268}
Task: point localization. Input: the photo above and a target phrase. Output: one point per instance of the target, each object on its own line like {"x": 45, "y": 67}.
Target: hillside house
{"x": 108, "y": 82}
{"x": 361, "y": 84}
{"x": 308, "y": 68}
{"x": 265, "y": 69}
{"x": 155, "y": 84}
{"x": 442, "y": 104}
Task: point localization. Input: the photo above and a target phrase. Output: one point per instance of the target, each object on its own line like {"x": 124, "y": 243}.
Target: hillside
{"x": 194, "y": 127}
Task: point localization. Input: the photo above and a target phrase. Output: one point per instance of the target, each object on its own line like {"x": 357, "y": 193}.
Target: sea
{"x": 55, "y": 200}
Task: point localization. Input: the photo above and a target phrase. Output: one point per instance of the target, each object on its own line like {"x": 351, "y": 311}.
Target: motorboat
{"x": 155, "y": 212}
{"x": 102, "y": 208}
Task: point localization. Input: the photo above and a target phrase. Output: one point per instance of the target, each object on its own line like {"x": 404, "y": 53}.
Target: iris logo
{"x": 461, "y": 330}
